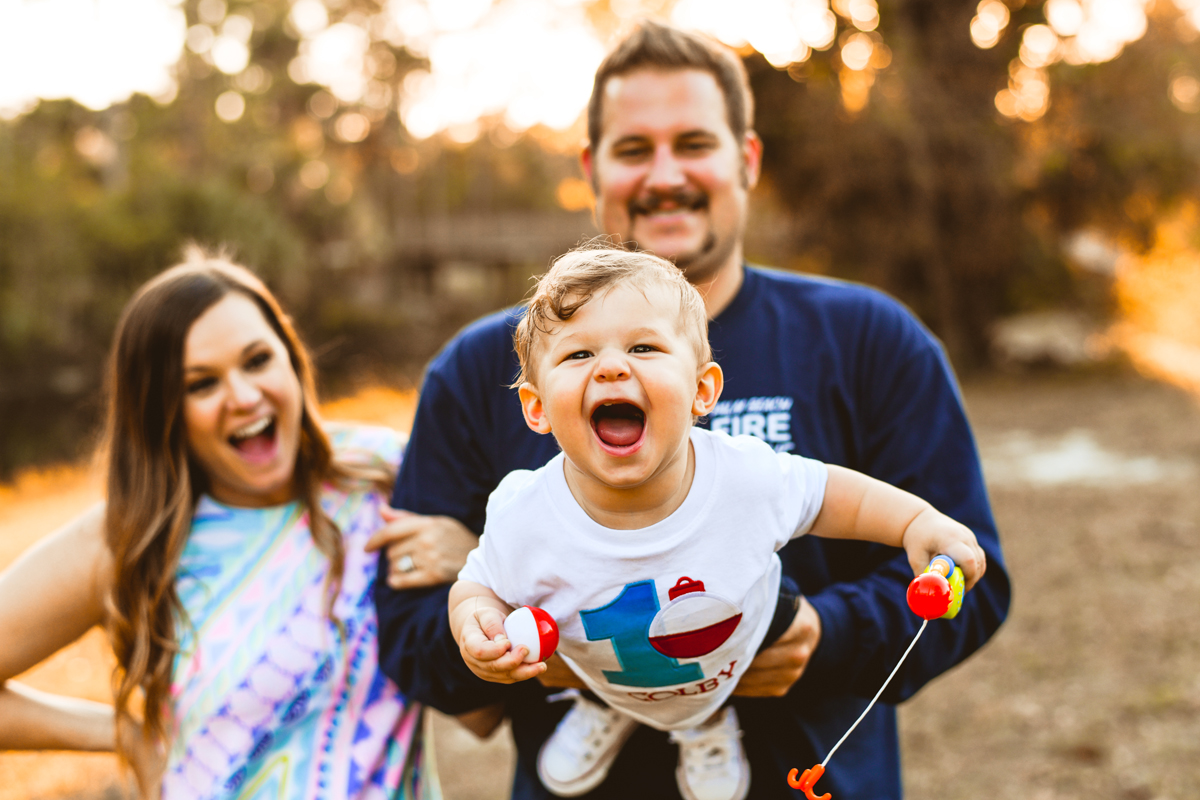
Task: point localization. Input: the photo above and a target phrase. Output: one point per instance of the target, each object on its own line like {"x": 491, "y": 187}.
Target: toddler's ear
{"x": 708, "y": 389}
{"x": 532, "y": 408}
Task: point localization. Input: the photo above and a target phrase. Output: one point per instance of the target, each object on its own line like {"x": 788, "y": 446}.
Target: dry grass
{"x": 1090, "y": 689}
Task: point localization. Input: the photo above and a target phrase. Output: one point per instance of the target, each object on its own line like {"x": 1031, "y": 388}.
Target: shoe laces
{"x": 586, "y": 727}
{"x": 709, "y": 748}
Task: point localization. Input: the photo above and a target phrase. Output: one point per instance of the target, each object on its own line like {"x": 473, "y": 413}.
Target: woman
{"x": 229, "y": 565}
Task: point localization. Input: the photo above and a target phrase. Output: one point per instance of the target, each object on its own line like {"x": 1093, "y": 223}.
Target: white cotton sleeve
{"x": 481, "y": 567}
{"x": 490, "y": 564}
{"x": 804, "y": 482}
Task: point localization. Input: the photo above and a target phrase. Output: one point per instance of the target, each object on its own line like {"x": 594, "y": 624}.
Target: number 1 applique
{"x": 648, "y": 644}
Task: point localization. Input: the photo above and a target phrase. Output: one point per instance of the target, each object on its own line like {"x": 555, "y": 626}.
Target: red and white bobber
{"x": 937, "y": 593}
{"x": 694, "y": 623}
{"x": 533, "y": 628}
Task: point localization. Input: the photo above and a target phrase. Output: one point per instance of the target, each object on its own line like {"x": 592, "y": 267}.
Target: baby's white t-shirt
{"x": 661, "y": 621}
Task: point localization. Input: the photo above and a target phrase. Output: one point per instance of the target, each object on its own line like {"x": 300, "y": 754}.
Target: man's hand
{"x": 482, "y": 721}
{"x": 774, "y": 670}
{"x": 421, "y": 550}
{"x": 559, "y": 676}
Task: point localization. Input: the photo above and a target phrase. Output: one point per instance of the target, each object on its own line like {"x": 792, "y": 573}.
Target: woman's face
{"x": 242, "y": 404}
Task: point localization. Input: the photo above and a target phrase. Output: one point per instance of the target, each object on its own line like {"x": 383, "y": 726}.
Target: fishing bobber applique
{"x": 694, "y": 623}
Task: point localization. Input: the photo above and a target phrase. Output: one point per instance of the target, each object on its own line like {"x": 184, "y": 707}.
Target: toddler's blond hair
{"x": 591, "y": 270}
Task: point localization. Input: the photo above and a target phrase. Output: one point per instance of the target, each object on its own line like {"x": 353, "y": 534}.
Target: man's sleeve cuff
{"x": 837, "y": 637}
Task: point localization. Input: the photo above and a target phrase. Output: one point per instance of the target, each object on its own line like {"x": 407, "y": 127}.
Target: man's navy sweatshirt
{"x": 826, "y": 369}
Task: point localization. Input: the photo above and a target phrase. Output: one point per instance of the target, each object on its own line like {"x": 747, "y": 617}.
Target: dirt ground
{"x": 1090, "y": 690}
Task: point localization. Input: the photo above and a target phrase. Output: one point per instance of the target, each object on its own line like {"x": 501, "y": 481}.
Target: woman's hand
{"x": 421, "y": 550}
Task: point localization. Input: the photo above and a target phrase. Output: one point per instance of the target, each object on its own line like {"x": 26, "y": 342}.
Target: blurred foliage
{"x": 902, "y": 174}
{"x": 1158, "y": 293}
{"x": 92, "y": 204}
{"x": 932, "y": 194}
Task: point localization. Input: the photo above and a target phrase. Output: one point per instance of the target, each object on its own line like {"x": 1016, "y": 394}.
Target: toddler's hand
{"x": 489, "y": 654}
{"x": 933, "y": 533}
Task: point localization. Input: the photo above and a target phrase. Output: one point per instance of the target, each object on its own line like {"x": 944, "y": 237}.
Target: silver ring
{"x": 405, "y": 564}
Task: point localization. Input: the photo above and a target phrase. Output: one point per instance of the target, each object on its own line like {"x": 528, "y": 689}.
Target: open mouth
{"x": 257, "y": 439}
{"x": 619, "y": 426}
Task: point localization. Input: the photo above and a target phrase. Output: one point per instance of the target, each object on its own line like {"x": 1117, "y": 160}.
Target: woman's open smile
{"x": 242, "y": 404}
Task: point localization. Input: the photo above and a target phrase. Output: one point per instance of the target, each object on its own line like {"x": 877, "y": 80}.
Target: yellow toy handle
{"x": 944, "y": 566}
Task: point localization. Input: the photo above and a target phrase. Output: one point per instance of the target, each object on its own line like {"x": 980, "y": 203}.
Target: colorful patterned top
{"x": 270, "y": 699}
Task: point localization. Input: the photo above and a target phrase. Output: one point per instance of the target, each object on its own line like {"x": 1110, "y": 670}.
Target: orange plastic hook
{"x": 806, "y": 782}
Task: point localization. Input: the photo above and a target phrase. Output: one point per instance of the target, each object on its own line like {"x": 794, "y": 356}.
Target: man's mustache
{"x": 687, "y": 199}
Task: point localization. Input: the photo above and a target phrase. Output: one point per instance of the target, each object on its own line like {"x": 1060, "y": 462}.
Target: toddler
{"x": 650, "y": 541}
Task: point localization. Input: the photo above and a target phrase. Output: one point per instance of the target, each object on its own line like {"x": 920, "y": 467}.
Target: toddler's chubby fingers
{"x": 981, "y": 561}
{"x": 513, "y": 664}
{"x": 527, "y": 671}
{"x": 511, "y": 667}
{"x": 969, "y": 556}
{"x": 480, "y": 647}
{"x": 491, "y": 621}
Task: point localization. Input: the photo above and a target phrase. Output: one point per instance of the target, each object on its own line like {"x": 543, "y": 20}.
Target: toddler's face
{"x": 618, "y": 385}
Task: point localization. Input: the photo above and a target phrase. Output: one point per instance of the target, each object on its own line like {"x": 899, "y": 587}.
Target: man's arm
{"x": 910, "y": 431}
{"x": 444, "y": 472}
{"x": 915, "y": 435}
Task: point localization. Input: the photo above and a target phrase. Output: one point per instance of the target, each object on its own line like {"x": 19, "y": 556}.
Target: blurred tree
{"x": 941, "y": 149}
{"x": 947, "y": 149}
{"x": 306, "y": 188}
{"x": 908, "y": 191}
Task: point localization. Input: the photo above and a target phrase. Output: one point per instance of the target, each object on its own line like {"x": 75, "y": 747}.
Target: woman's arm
{"x": 34, "y": 720}
{"x": 49, "y": 597}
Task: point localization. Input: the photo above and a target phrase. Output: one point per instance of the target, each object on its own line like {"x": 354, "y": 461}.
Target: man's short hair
{"x": 652, "y": 45}
{"x": 593, "y": 269}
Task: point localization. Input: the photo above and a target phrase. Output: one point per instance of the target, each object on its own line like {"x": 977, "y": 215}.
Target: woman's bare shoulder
{"x": 82, "y": 542}
{"x": 77, "y": 553}
{"x": 54, "y": 592}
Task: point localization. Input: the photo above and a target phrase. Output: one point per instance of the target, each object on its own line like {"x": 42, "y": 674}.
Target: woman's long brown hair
{"x": 153, "y": 483}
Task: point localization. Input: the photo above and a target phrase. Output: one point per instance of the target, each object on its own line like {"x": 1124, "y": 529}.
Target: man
{"x": 829, "y": 370}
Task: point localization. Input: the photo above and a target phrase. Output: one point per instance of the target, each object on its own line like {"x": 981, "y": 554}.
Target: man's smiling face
{"x": 668, "y": 172}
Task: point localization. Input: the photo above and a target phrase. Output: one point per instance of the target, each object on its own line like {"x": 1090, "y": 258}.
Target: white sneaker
{"x": 576, "y": 757}
{"x": 712, "y": 761}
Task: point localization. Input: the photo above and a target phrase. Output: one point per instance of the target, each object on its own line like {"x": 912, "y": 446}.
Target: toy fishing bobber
{"x": 535, "y": 629}
{"x": 937, "y": 593}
